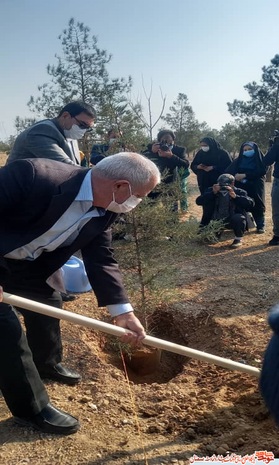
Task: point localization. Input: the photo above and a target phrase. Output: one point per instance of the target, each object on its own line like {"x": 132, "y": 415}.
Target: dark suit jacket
{"x": 34, "y": 193}
{"x": 44, "y": 139}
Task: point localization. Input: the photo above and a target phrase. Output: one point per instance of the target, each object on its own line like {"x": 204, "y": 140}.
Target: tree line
{"x": 81, "y": 73}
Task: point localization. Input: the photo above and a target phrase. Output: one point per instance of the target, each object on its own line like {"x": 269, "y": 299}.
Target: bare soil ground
{"x": 186, "y": 407}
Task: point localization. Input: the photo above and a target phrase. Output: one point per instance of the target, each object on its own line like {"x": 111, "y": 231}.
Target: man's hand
{"x": 1, "y": 293}
{"x": 130, "y": 321}
{"x": 216, "y": 189}
{"x": 231, "y": 192}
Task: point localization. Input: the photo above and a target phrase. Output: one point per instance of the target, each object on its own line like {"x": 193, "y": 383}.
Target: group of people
{"x": 54, "y": 207}
{"x": 237, "y": 199}
{"x": 169, "y": 158}
{"x": 247, "y": 179}
{"x": 229, "y": 189}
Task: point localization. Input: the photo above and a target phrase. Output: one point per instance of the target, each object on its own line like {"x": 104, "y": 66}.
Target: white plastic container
{"x": 75, "y": 277}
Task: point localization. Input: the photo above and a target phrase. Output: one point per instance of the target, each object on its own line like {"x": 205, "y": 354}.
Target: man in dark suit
{"x": 51, "y": 210}
{"x": 55, "y": 138}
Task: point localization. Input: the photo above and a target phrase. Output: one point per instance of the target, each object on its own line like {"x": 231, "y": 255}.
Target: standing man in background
{"x": 56, "y": 138}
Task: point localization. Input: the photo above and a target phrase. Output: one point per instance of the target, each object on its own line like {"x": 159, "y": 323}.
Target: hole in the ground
{"x": 169, "y": 367}
{"x": 197, "y": 331}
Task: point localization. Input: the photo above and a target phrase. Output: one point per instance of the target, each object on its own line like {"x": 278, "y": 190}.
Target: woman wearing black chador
{"x": 209, "y": 162}
{"x": 249, "y": 172}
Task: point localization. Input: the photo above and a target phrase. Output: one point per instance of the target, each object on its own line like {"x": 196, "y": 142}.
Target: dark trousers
{"x": 43, "y": 332}
{"x": 237, "y": 222}
{"x": 20, "y": 382}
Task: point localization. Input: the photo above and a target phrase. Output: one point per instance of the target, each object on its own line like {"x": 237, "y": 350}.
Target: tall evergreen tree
{"x": 81, "y": 74}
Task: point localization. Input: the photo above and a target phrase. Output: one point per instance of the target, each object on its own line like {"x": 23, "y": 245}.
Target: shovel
{"x": 117, "y": 331}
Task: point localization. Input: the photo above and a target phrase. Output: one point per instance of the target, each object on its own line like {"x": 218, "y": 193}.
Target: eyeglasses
{"x": 82, "y": 124}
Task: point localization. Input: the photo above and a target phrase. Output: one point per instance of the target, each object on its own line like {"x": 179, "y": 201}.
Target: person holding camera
{"x": 249, "y": 171}
{"x": 225, "y": 202}
{"x": 171, "y": 161}
{"x": 272, "y": 156}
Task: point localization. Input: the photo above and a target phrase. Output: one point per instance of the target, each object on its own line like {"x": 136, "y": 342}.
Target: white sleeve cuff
{"x": 118, "y": 309}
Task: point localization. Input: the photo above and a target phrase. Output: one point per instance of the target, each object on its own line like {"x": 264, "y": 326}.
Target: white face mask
{"x": 124, "y": 207}
{"x": 205, "y": 148}
{"x": 75, "y": 132}
{"x": 112, "y": 140}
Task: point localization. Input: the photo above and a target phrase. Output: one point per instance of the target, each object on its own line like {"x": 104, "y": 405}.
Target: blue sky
{"x": 207, "y": 49}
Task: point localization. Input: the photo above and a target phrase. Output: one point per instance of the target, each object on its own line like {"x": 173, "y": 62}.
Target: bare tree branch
{"x": 137, "y": 109}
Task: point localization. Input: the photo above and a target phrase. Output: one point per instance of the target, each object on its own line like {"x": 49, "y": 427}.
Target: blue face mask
{"x": 249, "y": 153}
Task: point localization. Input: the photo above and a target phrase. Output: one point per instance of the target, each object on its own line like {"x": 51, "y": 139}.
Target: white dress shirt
{"x": 64, "y": 232}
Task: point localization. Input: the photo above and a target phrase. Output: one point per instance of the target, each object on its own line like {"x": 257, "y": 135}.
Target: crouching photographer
{"x": 272, "y": 156}
{"x": 227, "y": 203}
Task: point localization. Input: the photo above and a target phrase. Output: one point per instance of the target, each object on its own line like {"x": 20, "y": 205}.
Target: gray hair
{"x": 133, "y": 167}
{"x": 225, "y": 179}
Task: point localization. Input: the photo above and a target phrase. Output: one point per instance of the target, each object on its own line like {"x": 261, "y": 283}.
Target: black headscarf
{"x": 216, "y": 157}
{"x": 212, "y": 143}
{"x": 215, "y": 154}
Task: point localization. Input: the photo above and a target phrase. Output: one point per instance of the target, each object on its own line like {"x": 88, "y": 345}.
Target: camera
{"x": 274, "y": 139}
{"x": 223, "y": 187}
{"x": 164, "y": 146}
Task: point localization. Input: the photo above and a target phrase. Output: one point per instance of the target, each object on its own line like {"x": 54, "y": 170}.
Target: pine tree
{"x": 181, "y": 119}
{"x": 81, "y": 74}
{"x": 260, "y": 114}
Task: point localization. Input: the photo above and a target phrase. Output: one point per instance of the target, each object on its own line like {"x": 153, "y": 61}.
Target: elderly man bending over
{"x": 51, "y": 210}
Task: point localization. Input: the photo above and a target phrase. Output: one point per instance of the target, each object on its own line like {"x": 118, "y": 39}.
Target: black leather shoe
{"x": 51, "y": 420}
{"x": 274, "y": 241}
{"x": 67, "y": 297}
{"x": 60, "y": 373}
